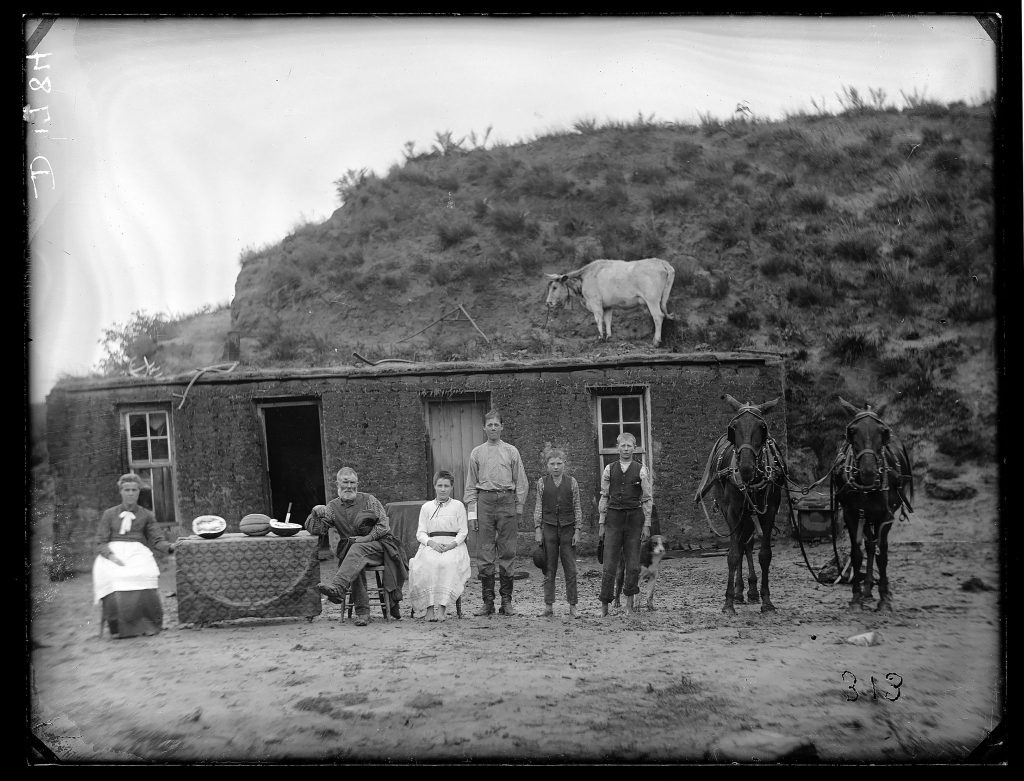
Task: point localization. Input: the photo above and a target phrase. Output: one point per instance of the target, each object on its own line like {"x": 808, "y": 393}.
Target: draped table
{"x": 238, "y": 576}
{"x": 405, "y": 518}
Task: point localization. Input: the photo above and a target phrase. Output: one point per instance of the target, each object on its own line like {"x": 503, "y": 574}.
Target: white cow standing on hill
{"x": 604, "y": 285}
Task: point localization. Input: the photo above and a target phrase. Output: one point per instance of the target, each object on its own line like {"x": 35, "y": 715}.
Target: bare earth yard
{"x": 656, "y": 687}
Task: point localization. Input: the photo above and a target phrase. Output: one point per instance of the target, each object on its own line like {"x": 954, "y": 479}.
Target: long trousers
{"x": 622, "y": 530}
{"x": 350, "y": 572}
{"x": 558, "y": 544}
{"x": 496, "y": 513}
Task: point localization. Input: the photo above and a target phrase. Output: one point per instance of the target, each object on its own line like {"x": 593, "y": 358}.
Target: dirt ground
{"x": 664, "y": 686}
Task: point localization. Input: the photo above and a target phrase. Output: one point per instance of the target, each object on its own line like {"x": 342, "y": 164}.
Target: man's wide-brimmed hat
{"x": 540, "y": 560}
{"x": 364, "y": 521}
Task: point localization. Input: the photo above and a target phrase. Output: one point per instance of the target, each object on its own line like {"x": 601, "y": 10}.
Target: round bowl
{"x": 209, "y": 527}
{"x": 282, "y": 529}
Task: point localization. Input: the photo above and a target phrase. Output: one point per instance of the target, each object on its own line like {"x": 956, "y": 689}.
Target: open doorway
{"x": 294, "y": 458}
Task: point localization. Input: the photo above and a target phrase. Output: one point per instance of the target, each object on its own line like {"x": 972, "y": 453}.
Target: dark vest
{"x": 624, "y": 489}
{"x": 556, "y": 502}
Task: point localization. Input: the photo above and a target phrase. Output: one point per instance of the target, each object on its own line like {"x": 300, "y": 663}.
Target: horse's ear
{"x": 848, "y": 406}
{"x": 768, "y": 405}
{"x": 735, "y": 404}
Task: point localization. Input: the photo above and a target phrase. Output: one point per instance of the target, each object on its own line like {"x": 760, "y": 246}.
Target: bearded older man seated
{"x": 366, "y": 541}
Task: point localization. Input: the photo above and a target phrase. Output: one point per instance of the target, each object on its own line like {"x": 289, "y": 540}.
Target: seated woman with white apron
{"x": 125, "y": 574}
{"x": 439, "y": 571}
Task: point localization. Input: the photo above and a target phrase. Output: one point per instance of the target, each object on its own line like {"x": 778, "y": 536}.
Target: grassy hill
{"x": 860, "y": 246}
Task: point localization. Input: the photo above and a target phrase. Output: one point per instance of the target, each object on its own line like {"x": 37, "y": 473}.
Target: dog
{"x": 651, "y": 554}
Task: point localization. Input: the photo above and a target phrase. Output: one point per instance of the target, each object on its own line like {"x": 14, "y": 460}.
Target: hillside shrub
{"x": 744, "y": 319}
{"x": 673, "y": 198}
{"x": 686, "y": 152}
{"x": 513, "y": 220}
{"x": 946, "y": 161}
{"x": 453, "y": 229}
{"x": 542, "y": 182}
{"x": 852, "y": 345}
{"x": 778, "y": 263}
{"x": 861, "y": 247}
{"x": 806, "y": 295}
{"x": 649, "y": 174}
{"x": 963, "y": 443}
{"x": 725, "y": 231}
{"x": 808, "y": 201}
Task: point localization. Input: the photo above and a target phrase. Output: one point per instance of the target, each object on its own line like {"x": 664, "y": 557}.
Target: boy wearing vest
{"x": 557, "y": 520}
{"x": 624, "y": 520}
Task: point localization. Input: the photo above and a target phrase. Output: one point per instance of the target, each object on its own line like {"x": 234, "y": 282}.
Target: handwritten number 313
{"x": 895, "y": 680}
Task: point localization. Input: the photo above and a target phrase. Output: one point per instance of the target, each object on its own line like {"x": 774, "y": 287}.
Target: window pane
{"x": 609, "y": 409}
{"x": 137, "y": 425}
{"x": 160, "y": 451}
{"x": 631, "y": 408}
{"x": 140, "y": 450}
{"x": 634, "y": 429}
{"x": 608, "y": 435}
{"x": 157, "y": 424}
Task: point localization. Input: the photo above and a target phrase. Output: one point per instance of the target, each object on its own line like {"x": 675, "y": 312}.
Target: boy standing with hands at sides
{"x": 557, "y": 520}
{"x": 624, "y": 514}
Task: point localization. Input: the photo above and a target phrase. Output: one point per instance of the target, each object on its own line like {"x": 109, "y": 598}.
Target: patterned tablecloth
{"x": 238, "y": 576}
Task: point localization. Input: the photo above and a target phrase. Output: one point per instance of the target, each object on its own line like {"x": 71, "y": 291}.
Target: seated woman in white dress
{"x": 439, "y": 571}
{"x": 125, "y": 574}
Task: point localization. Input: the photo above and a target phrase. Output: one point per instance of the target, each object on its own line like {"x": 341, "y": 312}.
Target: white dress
{"x": 439, "y": 578}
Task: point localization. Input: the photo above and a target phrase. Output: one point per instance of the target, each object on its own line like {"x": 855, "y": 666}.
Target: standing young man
{"x": 496, "y": 486}
{"x": 624, "y": 510}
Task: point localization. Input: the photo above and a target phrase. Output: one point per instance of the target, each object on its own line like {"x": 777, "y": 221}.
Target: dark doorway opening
{"x": 295, "y": 464}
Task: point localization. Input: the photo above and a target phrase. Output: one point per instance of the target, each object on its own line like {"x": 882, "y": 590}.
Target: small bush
{"x": 540, "y": 181}
{"x": 652, "y": 174}
{"x": 672, "y": 199}
{"x": 453, "y": 230}
{"x": 808, "y": 201}
{"x": 743, "y": 319}
{"x": 947, "y": 161}
{"x": 725, "y": 231}
{"x": 862, "y": 246}
{"x": 963, "y": 443}
{"x": 806, "y": 294}
{"x": 778, "y": 264}
{"x": 853, "y": 345}
{"x": 686, "y": 152}
{"x": 512, "y": 220}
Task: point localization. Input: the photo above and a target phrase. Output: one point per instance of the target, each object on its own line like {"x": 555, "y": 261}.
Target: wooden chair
{"x": 379, "y": 590}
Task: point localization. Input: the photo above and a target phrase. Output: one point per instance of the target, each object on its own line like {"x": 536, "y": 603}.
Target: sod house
{"x": 230, "y": 443}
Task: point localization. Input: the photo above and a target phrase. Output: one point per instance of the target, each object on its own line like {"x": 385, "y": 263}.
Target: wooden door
{"x": 455, "y": 427}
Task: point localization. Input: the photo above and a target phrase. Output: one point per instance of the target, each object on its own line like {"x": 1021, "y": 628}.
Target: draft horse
{"x": 746, "y": 473}
{"x": 871, "y": 480}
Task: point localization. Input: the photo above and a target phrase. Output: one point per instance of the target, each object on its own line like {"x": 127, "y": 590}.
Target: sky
{"x": 159, "y": 150}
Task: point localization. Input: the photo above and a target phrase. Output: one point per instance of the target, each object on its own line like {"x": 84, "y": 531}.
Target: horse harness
{"x": 769, "y": 468}
{"x": 888, "y": 464}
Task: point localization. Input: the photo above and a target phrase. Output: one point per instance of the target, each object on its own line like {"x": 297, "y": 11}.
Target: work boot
{"x": 333, "y": 594}
{"x": 506, "y": 595}
{"x": 361, "y": 619}
{"x": 487, "y": 588}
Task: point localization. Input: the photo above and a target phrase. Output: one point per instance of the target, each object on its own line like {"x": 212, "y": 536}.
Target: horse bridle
{"x": 763, "y": 465}
{"x": 850, "y": 468}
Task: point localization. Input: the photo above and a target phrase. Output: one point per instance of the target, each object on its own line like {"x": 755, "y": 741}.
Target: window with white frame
{"x": 150, "y": 455}
{"x": 619, "y": 413}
